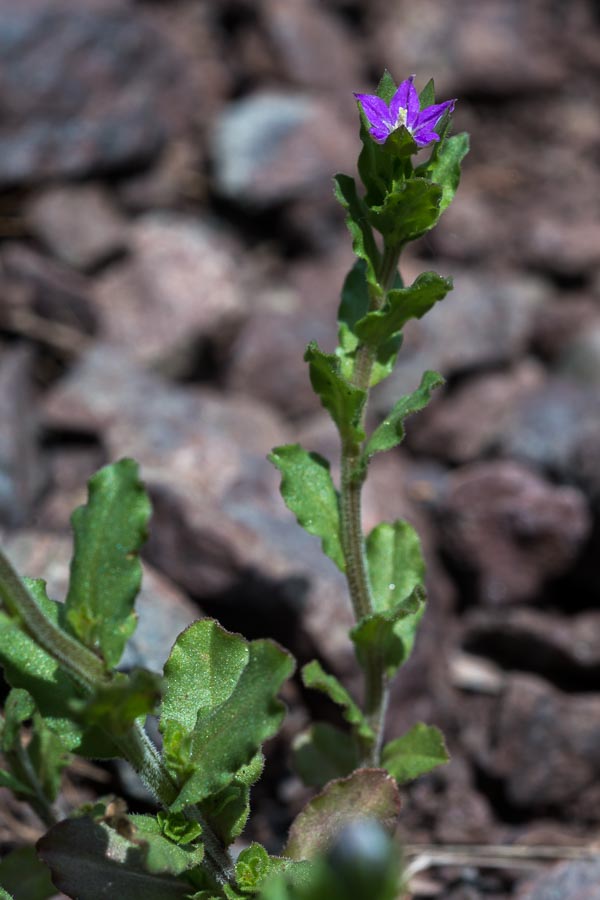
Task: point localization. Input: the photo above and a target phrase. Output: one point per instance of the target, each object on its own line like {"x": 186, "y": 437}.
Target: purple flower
{"x": 404, "y": 109}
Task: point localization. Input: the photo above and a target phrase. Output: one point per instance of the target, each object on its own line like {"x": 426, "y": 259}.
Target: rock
{"x": 181, "y": 285}
{"x": 578, "y": 880}
{"x": 163, "y": 611}
{"x": 565, "y": 246}
{"x": 448, "y": 428}
{"x": 79, "y": 225}
{"x": 562, "y": 321}
{"x": 510, "y": 528}
{"x": 311, "y": 46}
{"x": 220, "y": 529}
{"x": 174, "y": 180}
{"x": 580, "y": 359}
{"x": 23, "y": 471}
{"x": 486, "y": 321}
{"x": 544, "y": 746}
{"x": 500, "y": 47}
{"x": 84, "y": 91}
{"x": 270, "y": 147}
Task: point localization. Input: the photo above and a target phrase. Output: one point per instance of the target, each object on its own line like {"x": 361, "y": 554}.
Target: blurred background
{"x": 169, "y": 243}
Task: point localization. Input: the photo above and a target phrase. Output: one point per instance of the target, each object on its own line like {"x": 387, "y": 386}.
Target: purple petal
{"x": 375, "y": 109}
{"x": 422, "y": 138}
{"x": 406, "y": 98}
{"x": 432, "y": 114}
{"x": 380, "y": 133}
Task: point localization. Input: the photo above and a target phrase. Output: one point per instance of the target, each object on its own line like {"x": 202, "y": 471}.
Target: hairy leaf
{"x": 219, "y": 706}
{"x": 363, "y": 241}
{"x": 308, "y": 491}
{"x": 419, "y": 751}
{"x": 367, "y": 793}
{"x": 314, "y": 676}
{"x": 343, "y": 401}
{"x": 105, "y": 571}
{"x": 228, "y": 810}
{"x": 322, "y": 753}
{"x": 391, "y": 432}
{"x": 402, "y": 304}
{"x": 115, "y": 707}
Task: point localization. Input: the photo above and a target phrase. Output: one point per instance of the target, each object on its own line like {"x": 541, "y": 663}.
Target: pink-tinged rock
{"x": 84, "y": 90}
{"x": 79, "y": 225}
{"x": 163, "y": 610}
{"x": 510, "y": 528}
{"x": 181, "y": 285}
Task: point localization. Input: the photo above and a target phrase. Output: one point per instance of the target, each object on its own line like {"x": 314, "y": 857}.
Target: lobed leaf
{"x": 219, "y": 706}
{"x": 402, "y": 304}
{"x": 105, "y": 570}
{"x": 391, "y": 432}
{"x": 314, "y": 676}
{"x": 308, "y": 491}
{"x": 322, "y": 753}
{"x": 411, "y": 209}
{"x": 343, "y": 401}
{"x": 366, "y": 794}
{"x": 419, "y": 751}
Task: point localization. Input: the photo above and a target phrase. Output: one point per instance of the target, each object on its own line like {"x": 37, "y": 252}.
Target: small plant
{"x": 217, "y": 700}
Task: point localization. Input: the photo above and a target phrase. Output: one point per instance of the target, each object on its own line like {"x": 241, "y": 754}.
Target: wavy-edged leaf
{"x": 308, "y": 491}
{"x": 105, "y": 571}
{"x": 228, "y": 810}
{"x": 402, "y": 304}
{"x": 322, "y": 753}
{"x": 444, "y": 167}
{"x": 391, "y": 432}
{"x": 315, "y": 677}
{"x": 219, "y": 706}
{"x": 408, "y": 212}
{"x": 417, "y": 752}
{"x": 26, "y": 665}
{"x": 366, "y": 794}
{"x": 343, "y": 401}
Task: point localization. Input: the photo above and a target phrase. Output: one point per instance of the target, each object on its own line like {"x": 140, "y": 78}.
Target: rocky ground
{"x": 170, "y": 243}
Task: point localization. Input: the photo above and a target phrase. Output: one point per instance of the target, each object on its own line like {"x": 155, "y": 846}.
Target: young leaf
{"x": 343, "y": 401}
{"x": 308, "y": 491}
{"x": 228, "y": 810}
{"x": 363, "y": 241}
{"x": 390, "y": 635}
{"x": 106, "y": 864}
{"x": 444, "y": 166}
{"x": 322, "y": 753}
{"x": 166, "y": 849}
{"x": 219, "y": 706}
{"x": 24, "y": 876}
{"x": 105, "y": 571}
{"x": 116, "y": 706}
{"x": 316, "y": 678}
{"x": 396, "y": 564}
{"x": 408, "y": 212}
{"x": 366, "y": 794}
{"x": 402, "y": 305}
{"x": 26, "y": 665}
{"x": 391, "y": 431}
{"x": 419, "y": 751}
{"x": 254, "y": 866}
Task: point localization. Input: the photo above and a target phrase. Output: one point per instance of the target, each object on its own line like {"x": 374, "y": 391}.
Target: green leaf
{"x": 105, "y": 571}
{"x": 419, "y": 751}
{"x": 322, "y": 753}
{"x": 387, "y": 87}
{"x": 366, "y": 794}
{"x": 401, "y": 305}
{"x": 390, "y": 635}
{"x": 7, "y": 780}
{"x": 116, "y": 706}
{"x": 254, "y": 866}
{"x": 363, "y": 241}
{"x": 164, "y": 854}
{"x": 308, "y": 491}
{"x": 408, "y": 212}
{"x": 219, "y": 706}
{"x": 106, "y": 864}
{"x": 26, "y": 665}
{"x": 314, "y": 676}
{"x": 24, "y": 876}
{"x": 4, "y": 895}
{"x": 343, "y": 401}
{"x": 18, "y": 708}
{"x": 444, "y": 167}
{"x": 228, "y": 810}
{"x": 427, "y": 95}
{"x": 391, "y": 431}
{"x": 396, "y": 564}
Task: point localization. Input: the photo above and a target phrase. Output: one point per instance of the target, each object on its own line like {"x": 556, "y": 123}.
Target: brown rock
{"x": 79, "y": 225}
{"x": 511, "y": 529}
{"x": 182, "y": 284}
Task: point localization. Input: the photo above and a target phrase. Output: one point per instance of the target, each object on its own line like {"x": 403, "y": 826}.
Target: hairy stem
{"x": 357, "y": 575}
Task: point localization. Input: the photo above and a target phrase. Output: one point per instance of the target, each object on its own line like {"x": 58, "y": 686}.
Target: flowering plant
{"x": 217, "y": 700}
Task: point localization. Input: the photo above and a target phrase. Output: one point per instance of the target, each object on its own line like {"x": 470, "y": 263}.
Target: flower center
{"x": 402, "y": 113}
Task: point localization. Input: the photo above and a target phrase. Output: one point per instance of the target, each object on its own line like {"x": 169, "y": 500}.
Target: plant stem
{"x": 357, "y": 574}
